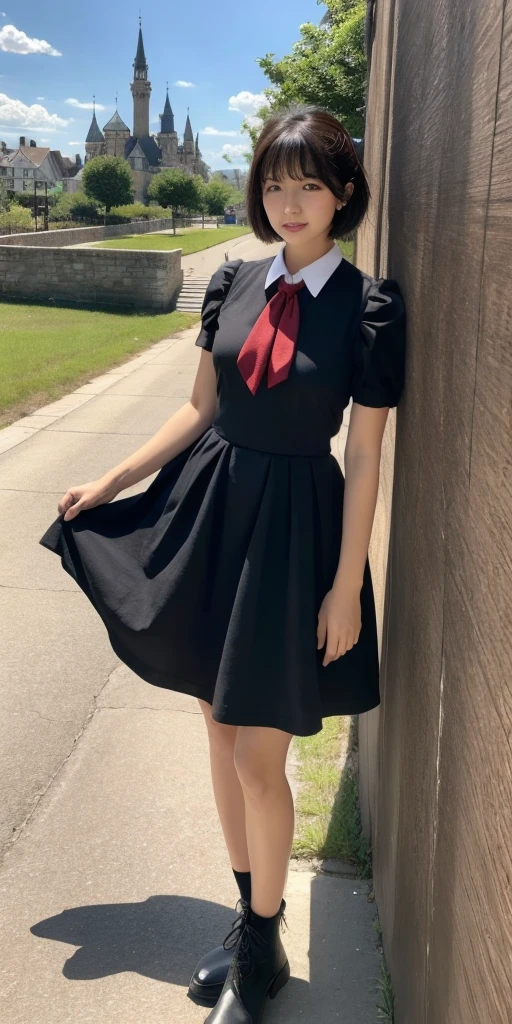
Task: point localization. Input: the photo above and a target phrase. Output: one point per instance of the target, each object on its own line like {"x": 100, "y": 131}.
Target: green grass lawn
{"x": 187, "y": 241}
{"x": 48, "y": 351}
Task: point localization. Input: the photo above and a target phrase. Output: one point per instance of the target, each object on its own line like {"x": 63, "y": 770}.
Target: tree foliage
{"x": 327, "y": 67}
{"x": 108, "y": 180}
{"x": 178, "y": 190}
{"x": 217, "y": 195}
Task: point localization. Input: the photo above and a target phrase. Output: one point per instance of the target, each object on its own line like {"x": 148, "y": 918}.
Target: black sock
{"x": 243, "y": 880}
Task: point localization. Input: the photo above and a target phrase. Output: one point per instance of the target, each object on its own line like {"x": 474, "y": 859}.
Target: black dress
{"x": 209, "y": 582}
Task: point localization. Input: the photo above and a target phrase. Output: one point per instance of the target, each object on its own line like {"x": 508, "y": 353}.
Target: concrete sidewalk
{"x": 115, "y": 878}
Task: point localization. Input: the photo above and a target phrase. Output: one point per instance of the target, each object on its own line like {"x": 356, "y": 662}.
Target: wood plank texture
{"x": 437, "y": 783}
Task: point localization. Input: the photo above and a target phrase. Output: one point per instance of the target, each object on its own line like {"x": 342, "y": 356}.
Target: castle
{"x": 146, "y": 154}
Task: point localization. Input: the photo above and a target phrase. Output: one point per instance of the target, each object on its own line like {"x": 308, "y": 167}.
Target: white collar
{"x": 314, "y": 275}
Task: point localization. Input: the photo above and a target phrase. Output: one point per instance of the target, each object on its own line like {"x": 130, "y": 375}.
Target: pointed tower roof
{"x": 167, "y": 118}
{"x": 188, "y": 135}
{"x": 94, "y": 133}
{"x": 140, "y": 62}
{"x": 198, "y": 151}
{"x": 116, "y": 124}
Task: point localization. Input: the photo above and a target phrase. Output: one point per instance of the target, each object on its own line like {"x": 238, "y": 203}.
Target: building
{"x": 20, "y": 167}
{"x": 146, "y": 154}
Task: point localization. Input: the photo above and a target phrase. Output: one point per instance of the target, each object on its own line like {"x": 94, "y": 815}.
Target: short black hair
{"x": 307, "y": 142}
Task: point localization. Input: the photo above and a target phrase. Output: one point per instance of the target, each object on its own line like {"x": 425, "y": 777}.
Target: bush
{"x": 84, "y": 208}
{"x": 75, "y": 206}
{"x": 16, "y": 219}
{"x": 25, "y": 199}
{"x": 61, "y": 208}
{"x": 136, "y": 211}
{"x": 131, "y": 211}
{"x": 157, "y": 211}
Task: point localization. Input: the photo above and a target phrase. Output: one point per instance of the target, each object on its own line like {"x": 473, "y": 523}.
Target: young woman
{"x": 240, "y": 576}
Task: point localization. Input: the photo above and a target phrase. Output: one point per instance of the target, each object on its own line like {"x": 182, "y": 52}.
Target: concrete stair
{"x": 191, "y": 296}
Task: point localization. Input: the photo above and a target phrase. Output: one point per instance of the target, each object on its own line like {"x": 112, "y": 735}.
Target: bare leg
{"x": 228, "y": 792}
{"x": 260, "y": 759}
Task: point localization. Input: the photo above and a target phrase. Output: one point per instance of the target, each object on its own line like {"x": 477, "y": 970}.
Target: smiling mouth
{"x": 294, "y": 225}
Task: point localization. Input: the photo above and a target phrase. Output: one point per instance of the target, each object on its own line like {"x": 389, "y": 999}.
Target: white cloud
{"x": 12, "y": 40}
{"x": 83, "y": 106}
{"x": 234, "y": 151}
{"x": 35, "y": 117}
{"x": 253, "y": 121}
{"x": 39, "y": 97}
{"x": 80, "y": 143}
{"x": 216, "y": 131}
{"x": 248, "y": 102}
{"x": 185, "y": 85}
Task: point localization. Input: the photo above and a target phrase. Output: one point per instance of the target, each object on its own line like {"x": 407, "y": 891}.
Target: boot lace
{"x": 237, "y": 925}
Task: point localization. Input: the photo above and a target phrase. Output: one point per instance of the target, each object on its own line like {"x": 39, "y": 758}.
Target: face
{"x": 301, "y": 209}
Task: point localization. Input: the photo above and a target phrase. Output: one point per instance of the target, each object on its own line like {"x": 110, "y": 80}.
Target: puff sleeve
{"x": 216, "y": 292}
{"x": 378, "y": 375}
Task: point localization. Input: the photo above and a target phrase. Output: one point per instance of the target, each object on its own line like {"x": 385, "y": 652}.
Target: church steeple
{"x": 167, "y": 118}
{"x": 141, "y": 91}
{"x": 198, "y": 151}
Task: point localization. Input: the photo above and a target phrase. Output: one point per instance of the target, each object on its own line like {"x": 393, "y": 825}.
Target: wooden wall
{"x": 436, "y": 757}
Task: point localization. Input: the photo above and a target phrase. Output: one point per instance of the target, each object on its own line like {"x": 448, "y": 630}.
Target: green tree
{"x": 218, "y": 195}
{"x": 176, "y": 189}
{"x": 108, "y": 180}
{"x": 327, "y": 67}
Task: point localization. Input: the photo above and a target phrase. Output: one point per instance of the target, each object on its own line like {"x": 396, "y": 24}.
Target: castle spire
{"x": 167, "y": 118}
{"x": 141, "y": 91}
{"x": 140, "y": 63}
{"x": 188, "y": 135}
{"x": 94, "y": 133}
{"x": 198, "y": 151}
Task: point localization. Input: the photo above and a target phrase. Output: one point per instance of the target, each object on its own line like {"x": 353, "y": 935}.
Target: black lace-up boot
{"x": 259, "y": 968}
{"x": 211, "y": 970}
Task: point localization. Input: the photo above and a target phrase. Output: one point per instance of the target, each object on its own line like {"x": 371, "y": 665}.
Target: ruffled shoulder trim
{"x": 379, "y": 352}
{"x": 216, "y": 292}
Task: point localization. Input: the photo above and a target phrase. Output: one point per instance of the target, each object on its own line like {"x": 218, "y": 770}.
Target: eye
{"x": 311, "y": 185}
{"x": 272, "y": 187}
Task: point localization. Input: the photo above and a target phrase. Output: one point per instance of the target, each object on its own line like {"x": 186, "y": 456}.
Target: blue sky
{"x": 55, "y": 56}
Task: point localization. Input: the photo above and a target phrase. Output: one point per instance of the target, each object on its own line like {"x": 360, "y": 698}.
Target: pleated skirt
{"x": 209, "y": 583}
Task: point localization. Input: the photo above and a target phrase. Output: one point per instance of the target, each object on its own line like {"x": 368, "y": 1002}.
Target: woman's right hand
{"x": 97, "y": 492}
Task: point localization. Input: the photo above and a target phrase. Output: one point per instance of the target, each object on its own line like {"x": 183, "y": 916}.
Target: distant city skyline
{"x": 52, "y": 62}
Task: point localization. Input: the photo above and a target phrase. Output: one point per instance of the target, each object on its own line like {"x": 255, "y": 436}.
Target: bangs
{"x": 291, "y": 154}
{"x": 303, "y": 142}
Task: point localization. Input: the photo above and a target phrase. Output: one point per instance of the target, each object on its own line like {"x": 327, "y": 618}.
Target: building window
{"x": 3, "y": 171}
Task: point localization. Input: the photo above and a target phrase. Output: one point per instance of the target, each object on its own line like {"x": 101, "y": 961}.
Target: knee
{"x": 257, "y": 778}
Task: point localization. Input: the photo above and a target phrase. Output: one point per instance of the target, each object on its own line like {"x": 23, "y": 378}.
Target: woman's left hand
{"x": 339, "y": 620}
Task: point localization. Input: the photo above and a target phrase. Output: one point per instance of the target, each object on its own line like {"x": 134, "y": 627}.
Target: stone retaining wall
{"x": 74, "y": 236}
{"x": 110, "y": 277}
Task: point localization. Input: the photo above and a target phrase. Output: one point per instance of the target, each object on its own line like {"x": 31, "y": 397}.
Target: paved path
{"x": 114, "y": 878}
